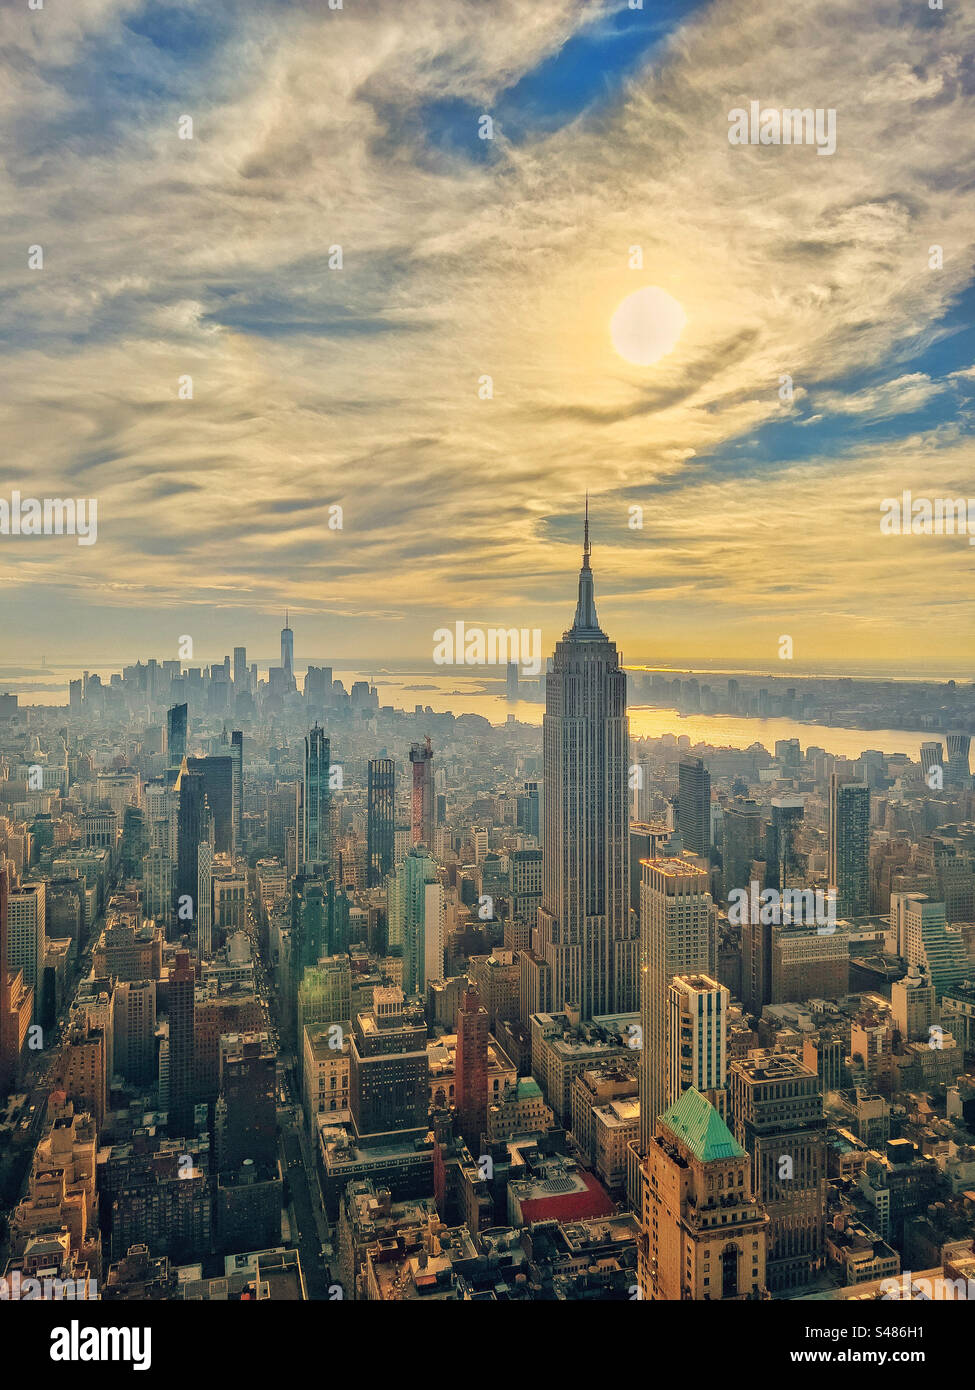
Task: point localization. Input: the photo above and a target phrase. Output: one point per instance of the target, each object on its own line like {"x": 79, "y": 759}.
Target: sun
{"x": 646, "y": 326}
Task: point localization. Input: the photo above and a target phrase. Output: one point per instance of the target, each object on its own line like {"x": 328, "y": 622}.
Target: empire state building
{"x": 584, "y": 931}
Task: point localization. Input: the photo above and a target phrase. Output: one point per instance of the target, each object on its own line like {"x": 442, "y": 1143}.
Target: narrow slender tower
{"x": 584, "y": 931}
{"x": 288, "y": 648}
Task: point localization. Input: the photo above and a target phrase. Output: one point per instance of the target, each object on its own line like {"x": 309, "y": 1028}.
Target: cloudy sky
{"x": 465, "y": 258}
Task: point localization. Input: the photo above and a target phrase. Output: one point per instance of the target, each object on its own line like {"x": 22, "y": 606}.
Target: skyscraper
{"x": 27, "y": 937}
{"x": 246, "y": 1115}
{"x": 388, "y": 1071}
{"x": 16, "y": 998}
{"x": 676, "y": 938}
{"x": 525, "y": 895}
{"x": 237, "y": 757}
{"x": 585, "y": 933}
{"x": 641, "y": 785}
{"x": 380, "y": 820}
{"x": 784, "y": 862}
{"x": 240, "y": 667}
{"x": 529, "y": 811}
{"x": 704, "y": 1228}
{"x": 806, "y": 962}
{"x": 317, "y": 689}
{"x": 249, "y": 1187}
{"x": 647, "y": 840}
{"x": 218, "y": 786}
{"x": 182, "y": 1046}
{"x": 849, "y": 846}
{"x": 932, "y": 945}
{"x": 415, "y": 911}
{"x": 789, "y": 753}
{"x": 932, "y": 761}
{"x": 134, "y": 1052}
{"x": 157, "y": 886}
{"x": 193, "y": 826}
{"x": 914, "y": 1005}
{"x": 694, "y": 805}
{"x": 316, "y": 800}
{"x": 423, "y": 803}
{"x": 958, "y": 774}
{"x": 756, "y": 962}
{"x": 699, "y": 1038}
{"x": 176, "y": 734}
{"x": 777, "y": 1105}
{"x": 309, "y": 920}
{"x": 741, "y": 844}
{"x": 288, "y": 651}
{"x": 471, "y": 1067}
{"x": 204, "y": 899}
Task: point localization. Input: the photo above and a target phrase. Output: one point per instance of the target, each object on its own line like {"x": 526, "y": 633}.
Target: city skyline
{"x": 386, "y": 915}
{"x": 585, "y": 934}
{"x": 492, "y": 1026}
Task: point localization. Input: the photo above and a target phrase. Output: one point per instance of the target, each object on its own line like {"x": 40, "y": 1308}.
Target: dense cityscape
{"x": 308, "y": 997}
{"x": 487, "y": 811}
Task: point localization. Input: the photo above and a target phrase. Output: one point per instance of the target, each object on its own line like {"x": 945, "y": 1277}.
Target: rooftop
{"x": 693, "y": 1119}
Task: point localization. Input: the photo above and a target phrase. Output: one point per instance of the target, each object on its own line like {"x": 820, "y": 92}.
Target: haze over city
{"x": 486, "y": 687}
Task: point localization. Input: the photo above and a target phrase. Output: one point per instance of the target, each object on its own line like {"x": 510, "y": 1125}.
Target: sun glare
{"x": 646, "y": 326}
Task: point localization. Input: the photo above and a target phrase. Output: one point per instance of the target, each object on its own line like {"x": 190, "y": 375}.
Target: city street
{"x": 312, "y": 1230}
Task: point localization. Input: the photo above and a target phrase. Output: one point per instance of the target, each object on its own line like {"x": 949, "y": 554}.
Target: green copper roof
{"x": 528, "y": 1087}
{"x": 694, "y": 1120}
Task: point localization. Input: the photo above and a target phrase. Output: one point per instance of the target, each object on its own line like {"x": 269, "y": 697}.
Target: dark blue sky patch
{"x": 190, "y": 33}
{"x": 586, "y": 74}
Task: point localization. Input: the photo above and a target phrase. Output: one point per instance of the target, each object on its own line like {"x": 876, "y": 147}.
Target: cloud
{"x": 209, "y": 258}
{"x": 902, "y": 396}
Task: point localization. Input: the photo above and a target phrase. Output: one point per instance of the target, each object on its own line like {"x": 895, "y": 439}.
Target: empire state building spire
{"x": 586, "y": 623}
{"x": 587, "y": 942}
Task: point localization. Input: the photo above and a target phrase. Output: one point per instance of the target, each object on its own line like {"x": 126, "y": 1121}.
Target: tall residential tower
{"x": 423, "y": 800}
{"x": 849, "y": 845}
{"x": 316, "y": 800}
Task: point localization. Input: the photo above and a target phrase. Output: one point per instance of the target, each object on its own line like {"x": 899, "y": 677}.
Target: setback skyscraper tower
{"x": 584, "y": 929}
